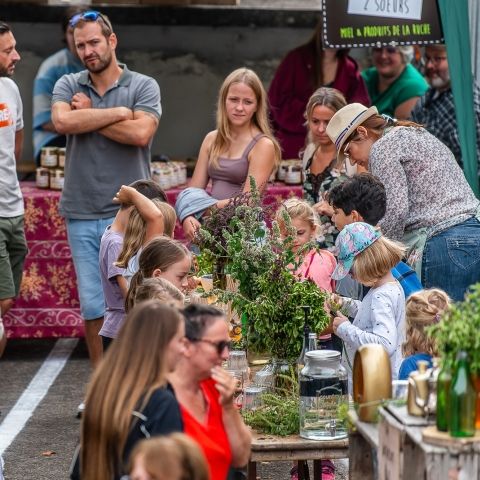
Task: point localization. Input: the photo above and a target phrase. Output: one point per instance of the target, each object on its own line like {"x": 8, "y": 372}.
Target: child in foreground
{"x": 172, "y": 457}
{"x": 380, "y": 316}
{"x": 423, "y": 309}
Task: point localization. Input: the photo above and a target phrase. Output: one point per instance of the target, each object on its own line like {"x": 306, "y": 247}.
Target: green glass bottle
{"x": 444, "y": 381}
{"x": 462, "y": 399}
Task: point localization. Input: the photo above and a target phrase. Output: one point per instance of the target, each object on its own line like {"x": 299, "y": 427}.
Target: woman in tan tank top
{"x": 241, "y": 146}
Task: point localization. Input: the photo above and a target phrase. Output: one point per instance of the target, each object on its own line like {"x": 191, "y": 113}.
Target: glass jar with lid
{"x": 323, "y": 392}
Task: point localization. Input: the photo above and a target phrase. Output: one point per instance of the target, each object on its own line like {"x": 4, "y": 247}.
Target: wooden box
{"x": 398, "y": 442}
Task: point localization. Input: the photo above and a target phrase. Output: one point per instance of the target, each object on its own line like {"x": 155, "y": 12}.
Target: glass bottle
{"x": 444, "y": 381}
{"x": 462, "y": 399}
{"x": 323, "y": 396}
{"x": 309, "y": 344}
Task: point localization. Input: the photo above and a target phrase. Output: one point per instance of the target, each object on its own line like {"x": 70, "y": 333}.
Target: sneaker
{"x": 80, "y": 410}
{"x": 294, "y": 473}
{"x": 328, "y": 470}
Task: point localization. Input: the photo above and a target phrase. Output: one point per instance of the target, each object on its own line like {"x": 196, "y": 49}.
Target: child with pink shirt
{"x": 316, "y": 265}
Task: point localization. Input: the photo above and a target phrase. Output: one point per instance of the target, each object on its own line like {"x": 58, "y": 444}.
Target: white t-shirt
{"x": 11, "y": 121}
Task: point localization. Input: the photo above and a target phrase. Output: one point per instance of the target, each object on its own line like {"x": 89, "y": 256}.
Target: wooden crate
{"x": 402, "y": 453}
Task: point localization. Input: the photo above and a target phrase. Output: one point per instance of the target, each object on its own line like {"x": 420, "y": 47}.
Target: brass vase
{"x": 372, "y": 380}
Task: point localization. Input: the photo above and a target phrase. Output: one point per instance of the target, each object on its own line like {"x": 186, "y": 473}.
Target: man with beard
{"x": 436, "y": 109}
{"x": 13, "y": 247}
{"x": 109, "y": 115}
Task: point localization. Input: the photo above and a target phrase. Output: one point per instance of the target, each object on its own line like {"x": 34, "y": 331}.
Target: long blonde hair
{"x": 172, "y": 457}
{"x": 423, "y": 309}
{"x": 260, "y": 117}
{"x": 136, "y": 229}
{"x": 133, "y": 367}
{"x": 161, "y": 252}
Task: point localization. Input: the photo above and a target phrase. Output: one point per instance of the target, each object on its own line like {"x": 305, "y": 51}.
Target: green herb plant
{"x": 279, "y": 413}
{"x": 269, "y": 294}
{"x": 458, "y": 329}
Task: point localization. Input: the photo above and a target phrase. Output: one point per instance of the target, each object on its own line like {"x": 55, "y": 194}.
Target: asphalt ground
{"x": 43, "y": 449}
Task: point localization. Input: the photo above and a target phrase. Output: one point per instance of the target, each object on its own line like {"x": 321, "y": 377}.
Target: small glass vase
{"x": 284, "y": 374}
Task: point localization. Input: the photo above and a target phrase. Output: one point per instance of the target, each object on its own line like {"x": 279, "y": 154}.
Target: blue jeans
{"x": 451, "y": 259}
{"x": 84, "y": 237}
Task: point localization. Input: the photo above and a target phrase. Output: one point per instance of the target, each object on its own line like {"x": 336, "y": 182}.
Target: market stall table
{"x": 269, "y": 448}
{"x": 396, "y": 448}
{"x": 48, "y": 304}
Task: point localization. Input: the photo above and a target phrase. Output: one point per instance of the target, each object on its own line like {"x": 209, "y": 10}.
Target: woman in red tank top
{"x": 205, "y": 392}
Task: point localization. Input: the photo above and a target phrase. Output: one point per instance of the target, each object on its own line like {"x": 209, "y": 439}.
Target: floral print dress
{"x": 314, "y": 189}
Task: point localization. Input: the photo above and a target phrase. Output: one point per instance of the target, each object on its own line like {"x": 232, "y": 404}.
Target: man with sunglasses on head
{"x": 436, "y": 109}
{"x": 109, "y": 115}
{"x": 13, "y": 247}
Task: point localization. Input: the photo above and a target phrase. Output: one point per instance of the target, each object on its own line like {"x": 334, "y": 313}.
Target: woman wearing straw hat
{"x": 430, "y": 206}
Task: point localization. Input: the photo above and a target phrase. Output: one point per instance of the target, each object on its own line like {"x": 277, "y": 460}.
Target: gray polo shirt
{"x": 95, "y": 165}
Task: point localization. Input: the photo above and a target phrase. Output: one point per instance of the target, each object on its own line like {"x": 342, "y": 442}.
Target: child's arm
{"x": 382, "y": 320}
{"x": 122, "y": 284}
{"x": 146, "y": 208}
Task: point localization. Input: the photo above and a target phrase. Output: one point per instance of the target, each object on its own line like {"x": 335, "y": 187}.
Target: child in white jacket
{"x": 380, "y": 316}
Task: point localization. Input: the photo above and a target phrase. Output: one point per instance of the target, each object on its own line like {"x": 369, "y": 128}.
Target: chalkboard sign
{"x": 375, "y": 23}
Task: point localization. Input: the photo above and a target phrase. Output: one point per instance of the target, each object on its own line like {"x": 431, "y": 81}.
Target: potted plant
{"x": 458, "y": 330}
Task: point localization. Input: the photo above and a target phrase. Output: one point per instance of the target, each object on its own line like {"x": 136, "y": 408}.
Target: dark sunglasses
{"x": 220, "y": 346}
{"x": 391, "y": 50}
{"x": 89, "y": 16}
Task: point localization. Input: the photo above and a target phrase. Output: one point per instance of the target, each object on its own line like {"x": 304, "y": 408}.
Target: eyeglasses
{"x": 437, "y": 60}
{"x": 89, "y": 16}
{"x": 389, "y": 49}
{"x": 347, "y": 146}
{"x": 220, "y": 346}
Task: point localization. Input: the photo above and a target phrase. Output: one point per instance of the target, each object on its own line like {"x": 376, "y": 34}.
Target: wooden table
{"x": 395, "y": 449}
{"x": 269, "y": 448}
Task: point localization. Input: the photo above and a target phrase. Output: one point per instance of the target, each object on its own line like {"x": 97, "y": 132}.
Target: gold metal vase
{"x": 372, "y": 380}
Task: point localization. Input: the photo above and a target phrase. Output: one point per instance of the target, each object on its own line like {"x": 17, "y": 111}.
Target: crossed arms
{"x": 119, "y": 124}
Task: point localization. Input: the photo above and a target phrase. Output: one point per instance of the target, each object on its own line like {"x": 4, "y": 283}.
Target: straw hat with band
{"x": 345, "y": 121}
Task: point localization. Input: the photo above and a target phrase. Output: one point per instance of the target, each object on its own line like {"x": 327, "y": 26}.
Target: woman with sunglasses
{"x": 205, "y": 392}
{"x": 128, "y": 398}
{"x": 430, "y": 206}
{"x": 393, "y": 83}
